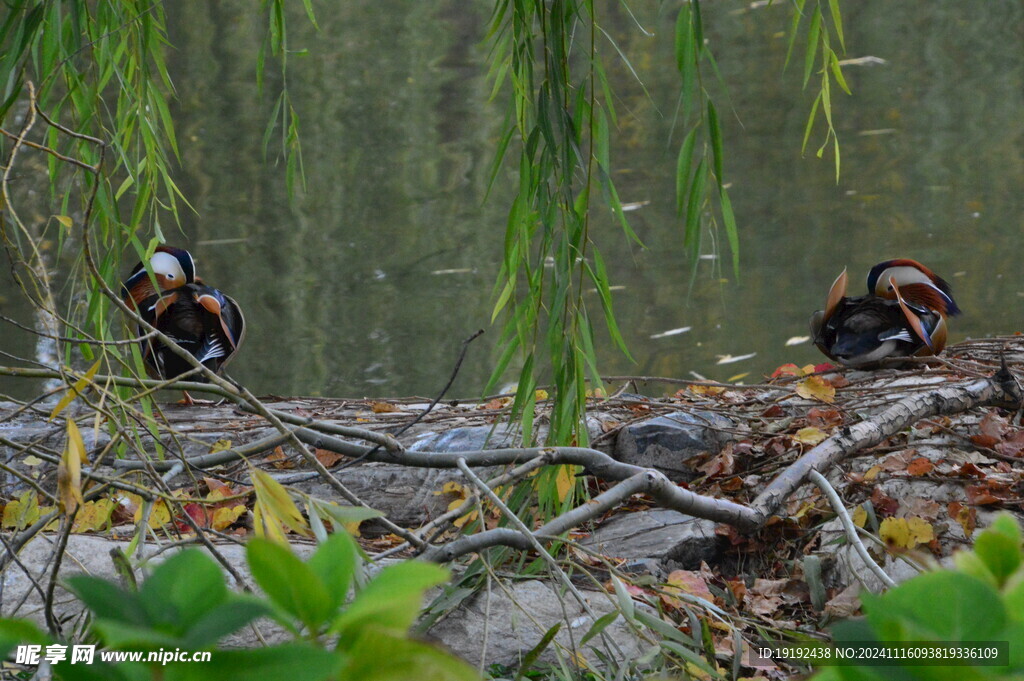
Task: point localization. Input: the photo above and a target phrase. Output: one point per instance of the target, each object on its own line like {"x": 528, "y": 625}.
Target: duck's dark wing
{"x": 224, "y": 326}
{"x": 862, "y": 331}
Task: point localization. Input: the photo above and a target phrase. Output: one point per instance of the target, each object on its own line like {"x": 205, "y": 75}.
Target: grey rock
{"x": 468, "y": 439}
{"x": 90, "y": 554}
{"x": 672, "y": 539}
{"x": 668, "y": 443}
{"x": 504, "y": 625}
{"x": 409, "y": 497}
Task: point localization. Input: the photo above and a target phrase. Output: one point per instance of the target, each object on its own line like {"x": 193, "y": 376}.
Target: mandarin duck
{"x": 903, "y": 315}
{"x": 201, "y": 319}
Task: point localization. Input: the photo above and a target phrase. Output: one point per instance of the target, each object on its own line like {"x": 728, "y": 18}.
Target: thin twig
{"x": 850, "y": 528}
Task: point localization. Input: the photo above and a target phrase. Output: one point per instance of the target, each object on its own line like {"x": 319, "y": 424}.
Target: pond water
{"x": 369, "y": 280}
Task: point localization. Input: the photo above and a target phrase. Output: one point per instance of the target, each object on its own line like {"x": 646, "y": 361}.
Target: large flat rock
{"x": 670, "y": 443}
{"x": 657, "y": 538}
{"x": 503, "y": 624}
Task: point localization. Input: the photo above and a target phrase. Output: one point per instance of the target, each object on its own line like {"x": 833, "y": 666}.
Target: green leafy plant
{"x": 982, "y": 600}
{"x": 186, "y": 605}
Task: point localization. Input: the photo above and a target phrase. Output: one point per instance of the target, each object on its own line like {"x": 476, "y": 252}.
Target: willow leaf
{"x": 683, "y": 164}
{"x": 715, "y": 132}
{"x": 813, "y": 38}
{"x": 837, "y": 21}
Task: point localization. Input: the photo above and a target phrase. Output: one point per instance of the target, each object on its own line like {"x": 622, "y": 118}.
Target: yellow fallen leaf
{"x": 158, "y": 516}
{"x": 93, "y": 516}
{"x": 816, "y": 388}
{"x": 383, "y": 407}
{"x": 733, "y": 379}
{"x": 810, "y": 435}
{"x": 220, "y": 446}
{"x": 805, "y": 507}
{"x": 565, "y": 482}
{"x": 64, "y": 220}
{"x": 31, "y": 460}
{"x": 21, "y": 512}
{"x": 540, "y": 395}
{"x": 461, "y": 494}
{"x": 860, "y": 516}
{"x": 872, "y": 473}
{"x": 906, "y": 533}
{"x": 702, "y": 389}
{"x": 224, "y": 517}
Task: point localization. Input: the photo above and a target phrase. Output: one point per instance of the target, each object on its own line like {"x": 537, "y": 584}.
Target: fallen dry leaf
{"x": 685, "y": 581}
{"x": 920, "y": 466}
{"x": 497, "y": 403}
{"x": 990, "y": 430}
{"x": 1013, "y": 445}
{"x": 884, "y": 504}
{"x": 279, "y": 459}
{"x": 93, "y": 516}
{"x": 787, "y": 370}
{"x": 816, "y": 388}
{"x": 923, "y": 508}
{"x": 327, "y": 457}
{"x": 906, "y": 533}
{"x": 720, "y": 465}
{"x": 898, "y": 462}
{"x": 872, "y": 473}
{"x": 810, "y": 435}
{"x": 860, "y": 516}
{"x": 966, "y": 516}
{"x": 702, "y": 389}
{"x": 845, "y": 603}
{"x": 764, "y": 598}
{"x": 383, "y": 407}
{"x": 824, "y": 418}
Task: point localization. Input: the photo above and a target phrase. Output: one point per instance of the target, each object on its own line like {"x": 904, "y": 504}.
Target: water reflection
{"x": 370, "y": 280}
